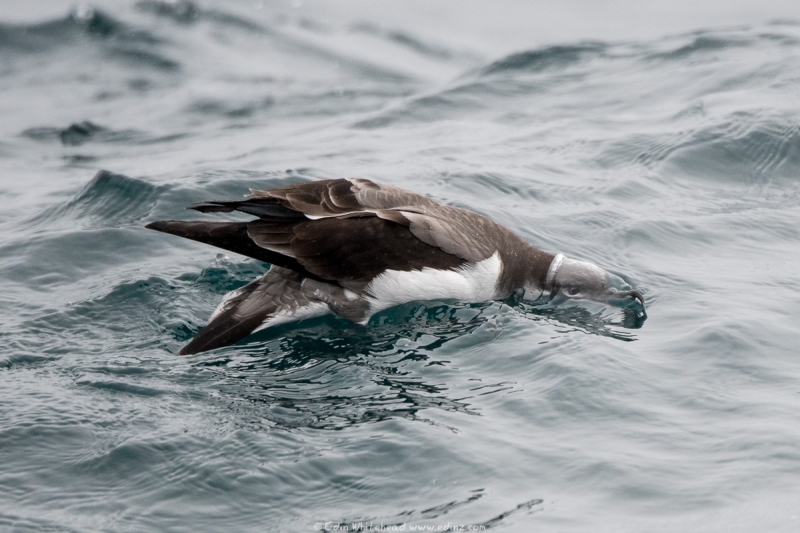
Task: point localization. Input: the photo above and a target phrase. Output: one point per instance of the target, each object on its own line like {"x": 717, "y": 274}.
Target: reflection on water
{"x": 604, "y": 322}
{"x": 329, "y": 373}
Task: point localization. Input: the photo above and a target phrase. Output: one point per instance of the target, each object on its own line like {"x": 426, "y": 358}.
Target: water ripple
{"x": 671, "y": 161}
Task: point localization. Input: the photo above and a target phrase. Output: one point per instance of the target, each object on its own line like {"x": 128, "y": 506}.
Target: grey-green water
{"x": 666, "y": 150}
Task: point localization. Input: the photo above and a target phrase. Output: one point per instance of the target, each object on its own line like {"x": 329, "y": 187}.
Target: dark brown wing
{"x": 456, "y": 231}
{"x": 279, "y": 290}
{"x": 326, "y": 198}
{"x": 354, "y": 249}
{"x": 350, "y": 230}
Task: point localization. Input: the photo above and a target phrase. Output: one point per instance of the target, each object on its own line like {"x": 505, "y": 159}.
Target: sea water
{"x": 661, "y": 142}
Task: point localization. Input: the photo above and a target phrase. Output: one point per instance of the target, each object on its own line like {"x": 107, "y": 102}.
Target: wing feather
{"x": 360, "y": 248}
{"x": 455, "y": 231}
{"x": 244, "y": 310}
{"x": 352, "y": 230}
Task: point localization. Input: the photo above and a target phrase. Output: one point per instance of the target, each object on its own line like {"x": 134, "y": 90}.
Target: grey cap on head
{"x": 570, "y": 278}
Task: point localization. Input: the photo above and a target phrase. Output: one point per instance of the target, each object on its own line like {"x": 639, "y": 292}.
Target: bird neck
{"x": 524, "y": 267}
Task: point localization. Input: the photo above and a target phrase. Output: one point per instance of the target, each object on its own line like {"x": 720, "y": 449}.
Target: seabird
{"x": 353, "y": 247}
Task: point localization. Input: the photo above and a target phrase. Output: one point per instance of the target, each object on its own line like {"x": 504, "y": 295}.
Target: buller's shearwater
{"x": 353, "y": 247}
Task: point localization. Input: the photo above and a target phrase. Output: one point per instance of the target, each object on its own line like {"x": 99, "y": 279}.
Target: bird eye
{"x": 573, "y": 291}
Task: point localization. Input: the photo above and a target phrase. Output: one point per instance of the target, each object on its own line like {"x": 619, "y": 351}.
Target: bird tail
{"x": 231, "y": 236}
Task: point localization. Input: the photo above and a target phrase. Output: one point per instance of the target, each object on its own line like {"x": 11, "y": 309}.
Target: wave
{"x": 228, "y": 109}
{"x": 544, "y": 58}
{"x": 182, "y": 11}
{"x": 80, "y": 23}
{"x": 109, "y": 199}
{"x": 503, "y": 79}
{"x": 188, "y": 12}
{"x": 82, "y": 132}
{"x": 704, "y": 44}
{"x": 520, "y": 87}
{"x": 745, "y": 147}
{"x": 112, "y": 200}
{"x": 406, "y": 40}
{"x": 86, "y": 26}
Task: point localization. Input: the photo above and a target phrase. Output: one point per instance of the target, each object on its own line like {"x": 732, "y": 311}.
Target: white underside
{"x": 312, "y": 310}
{"x": 223, "y": 305}
{"x": 476, "y": 282}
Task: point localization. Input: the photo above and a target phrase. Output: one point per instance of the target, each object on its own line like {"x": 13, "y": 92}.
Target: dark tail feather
{"x": 230, "y": 236}
{"x": 260, "y": 207}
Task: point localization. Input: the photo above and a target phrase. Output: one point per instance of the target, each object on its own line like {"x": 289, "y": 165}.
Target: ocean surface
{"x": 664, "y": 146}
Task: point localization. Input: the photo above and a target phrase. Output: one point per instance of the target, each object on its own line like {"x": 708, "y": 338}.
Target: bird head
{"x": 569, "y": 279}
